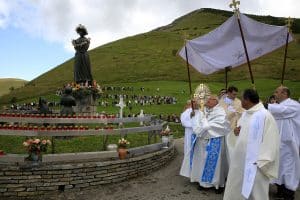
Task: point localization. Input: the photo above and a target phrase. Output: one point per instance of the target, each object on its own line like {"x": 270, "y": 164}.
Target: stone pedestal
{"x": 86, "y": 105}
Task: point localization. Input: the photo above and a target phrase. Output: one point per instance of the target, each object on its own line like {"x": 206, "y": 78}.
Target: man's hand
{"x": 236, "y": 131}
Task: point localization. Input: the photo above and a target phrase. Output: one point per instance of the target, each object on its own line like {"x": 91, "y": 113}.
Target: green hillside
{"x": 152, "y": 56}
{"x": 10, "y": 84}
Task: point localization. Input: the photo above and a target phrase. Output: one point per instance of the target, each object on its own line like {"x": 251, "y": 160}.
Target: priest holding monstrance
{"x": 82, "y": 65}
{"x": 206, "y": 162}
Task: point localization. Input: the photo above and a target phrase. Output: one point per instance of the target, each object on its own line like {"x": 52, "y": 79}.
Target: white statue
{"x": 141, "y": 115}
{"x": 122, "y": 105}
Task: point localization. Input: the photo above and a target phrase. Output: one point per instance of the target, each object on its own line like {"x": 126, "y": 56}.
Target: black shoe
{"x": 288, "y": 194}
{"x": 280, "y": 191}
{"x": 220, "y": 190}
{"x": 200, "y": 188}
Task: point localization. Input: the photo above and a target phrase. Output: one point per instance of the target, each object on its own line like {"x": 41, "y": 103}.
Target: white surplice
{"x": 213, "y": 125}
{"x": 234, "y": 110}
{"x": 287, "y": 115}
{"x": 186, "y": 122}
{"x": 267, "y": 159}
{"x": 188, "y": 149}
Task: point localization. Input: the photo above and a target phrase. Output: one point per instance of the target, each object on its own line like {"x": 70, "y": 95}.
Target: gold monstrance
{"x": 201, "y": 95}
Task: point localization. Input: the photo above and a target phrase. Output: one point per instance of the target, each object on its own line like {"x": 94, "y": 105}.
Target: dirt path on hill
{"x": 163, "y": 184}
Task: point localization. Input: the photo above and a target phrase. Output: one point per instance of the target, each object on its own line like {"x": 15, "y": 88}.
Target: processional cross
{"x": 235, "y": 5}
{"x": 289, "y": 23}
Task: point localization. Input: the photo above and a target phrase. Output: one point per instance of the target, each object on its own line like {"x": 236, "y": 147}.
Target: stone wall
{"x": 31, "y": 179}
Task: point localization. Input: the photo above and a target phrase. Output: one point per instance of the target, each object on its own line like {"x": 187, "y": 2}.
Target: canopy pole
{"x": 289, "y": 22}
{"x": 236, "y": 11}
{"x": 188, "y": 69}
{"x": 189, "y": 76}
{"x": 227, "y": 69}
{"x": 246, "y": 52}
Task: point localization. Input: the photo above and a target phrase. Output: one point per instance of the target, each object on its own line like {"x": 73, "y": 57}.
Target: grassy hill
{"x": 10, "y": 84}
{"x": 152, "y": 57}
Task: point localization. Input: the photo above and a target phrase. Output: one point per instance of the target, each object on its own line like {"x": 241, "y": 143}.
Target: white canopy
{"x": 223, "y": 46}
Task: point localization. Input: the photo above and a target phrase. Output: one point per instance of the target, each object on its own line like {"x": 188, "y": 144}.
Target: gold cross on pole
{"x": 235, "y": 4}
{"x": 289, "y": 23}
{"x": 185, "y": 37}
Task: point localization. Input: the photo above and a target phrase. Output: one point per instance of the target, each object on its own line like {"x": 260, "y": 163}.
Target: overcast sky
{"x": 36, "y": 34}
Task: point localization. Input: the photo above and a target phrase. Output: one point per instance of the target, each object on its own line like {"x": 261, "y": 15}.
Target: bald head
{"x": 212, "y": 101}
{"x": 282, "y": 93}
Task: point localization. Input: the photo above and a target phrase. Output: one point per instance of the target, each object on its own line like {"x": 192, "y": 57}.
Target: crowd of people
{"x": 240, "y": 147}
{"x": 133, "y": 100}
{"x": 106, "y": 99}
{"x": 30, "y": 107}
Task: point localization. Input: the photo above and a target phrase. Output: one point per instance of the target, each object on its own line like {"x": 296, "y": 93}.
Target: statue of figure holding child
{"x": 82, "y": 65}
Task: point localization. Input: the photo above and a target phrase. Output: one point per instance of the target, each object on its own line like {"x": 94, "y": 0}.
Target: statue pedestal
{"x": 86, "y": 104}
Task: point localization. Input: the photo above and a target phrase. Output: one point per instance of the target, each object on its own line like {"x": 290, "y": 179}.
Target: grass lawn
{"x": 9, "y": 84}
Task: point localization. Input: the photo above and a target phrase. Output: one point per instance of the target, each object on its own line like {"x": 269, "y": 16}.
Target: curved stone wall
{"x": 31, "y": 179}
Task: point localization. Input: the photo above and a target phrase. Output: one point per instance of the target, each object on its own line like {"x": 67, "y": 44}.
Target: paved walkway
{"x": 164, "y": 184}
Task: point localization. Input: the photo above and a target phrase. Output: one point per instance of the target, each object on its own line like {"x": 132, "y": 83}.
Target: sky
{"x": 36, "y": 34}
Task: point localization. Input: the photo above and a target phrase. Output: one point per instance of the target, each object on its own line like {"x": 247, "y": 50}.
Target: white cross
{"x": 121, "y": 104}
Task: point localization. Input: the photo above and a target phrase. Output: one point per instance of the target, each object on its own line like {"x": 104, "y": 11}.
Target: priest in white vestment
{"x": 209, "y": 162}
{"x": 233, "y": 108}
{"x": 255, "y": 158}
{"x": 186, "y": 120}
{"x": 287, "y": 116}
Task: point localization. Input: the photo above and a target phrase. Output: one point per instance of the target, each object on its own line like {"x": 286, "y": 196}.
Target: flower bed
{"x": 80, "y": 91}
{"x": 35, "y": 147}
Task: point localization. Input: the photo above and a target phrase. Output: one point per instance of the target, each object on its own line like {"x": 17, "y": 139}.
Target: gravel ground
{"x": 159, "y": 185}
